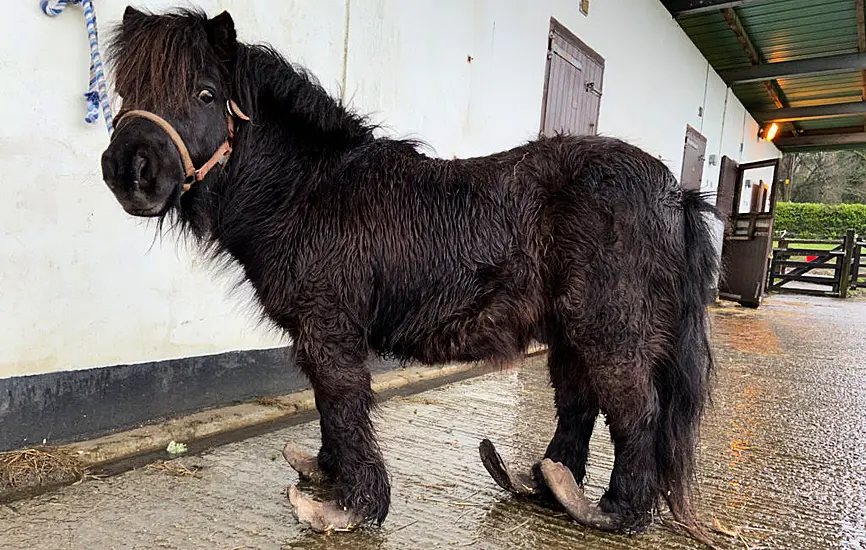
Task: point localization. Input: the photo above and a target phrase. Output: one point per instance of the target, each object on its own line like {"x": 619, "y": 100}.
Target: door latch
{"x": 590, "y": 87}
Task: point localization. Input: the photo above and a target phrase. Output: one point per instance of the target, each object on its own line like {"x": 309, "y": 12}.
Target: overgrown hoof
{"x": 560, "y": 481}
{"x": 323, "y": 517}
{"x": 519, "y": 484}
{"x": 303, "y": 462}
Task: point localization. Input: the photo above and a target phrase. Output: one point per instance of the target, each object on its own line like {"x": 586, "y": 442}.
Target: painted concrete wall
{"x": 82, "y": 284}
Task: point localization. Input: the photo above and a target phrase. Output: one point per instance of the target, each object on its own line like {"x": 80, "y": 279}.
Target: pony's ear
{"x": 223, "y": 38}
{"x": 132, "y": 15}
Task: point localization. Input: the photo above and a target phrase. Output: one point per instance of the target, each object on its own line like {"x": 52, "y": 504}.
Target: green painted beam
{"x": 800, "y": 67}
{"x": 817, "y": 111}
{"x": 819, "y": 142}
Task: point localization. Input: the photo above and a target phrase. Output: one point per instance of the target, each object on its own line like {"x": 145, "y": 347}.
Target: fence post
{"x": 858, "y": 258}
{"x": 845, "y": 276}
{"x": 776, "y": 267}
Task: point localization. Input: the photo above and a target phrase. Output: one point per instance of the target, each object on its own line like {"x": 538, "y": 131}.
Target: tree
{"x": 830, "y": 177}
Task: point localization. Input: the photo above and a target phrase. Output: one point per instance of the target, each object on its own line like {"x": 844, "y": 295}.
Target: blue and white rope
{"x": 97, "y": 95}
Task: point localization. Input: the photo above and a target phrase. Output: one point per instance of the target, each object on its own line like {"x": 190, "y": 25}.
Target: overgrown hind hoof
{"x": 303, "y": 462}
{"x": 519, "y": 484}
{"x": 562, "y": 484}
{"x": 324, "y": 517}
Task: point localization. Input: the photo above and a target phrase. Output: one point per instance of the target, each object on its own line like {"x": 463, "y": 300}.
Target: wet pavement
{"x": 783, "y": 461}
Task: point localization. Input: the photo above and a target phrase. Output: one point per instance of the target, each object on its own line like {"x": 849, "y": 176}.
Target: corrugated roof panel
{"x": 754, "y": 96}
{"x": 785, "y": 30}
{"x": 780, "y": 29}
{"x": 822, "y": 89}
{"x": 714, "y": 38}
{"x": 847, "y": 78}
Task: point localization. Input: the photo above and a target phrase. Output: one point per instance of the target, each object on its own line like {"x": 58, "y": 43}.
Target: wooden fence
{"x": 807, "y": 267}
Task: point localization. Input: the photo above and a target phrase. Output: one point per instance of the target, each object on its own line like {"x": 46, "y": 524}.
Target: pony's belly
{"x": 486, "y": 337}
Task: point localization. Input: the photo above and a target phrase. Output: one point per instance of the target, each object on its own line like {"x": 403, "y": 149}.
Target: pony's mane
{"x": 156, "y": 60}
{"x": 264, "y": 81}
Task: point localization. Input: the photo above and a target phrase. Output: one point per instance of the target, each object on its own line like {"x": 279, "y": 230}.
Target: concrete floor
{"x": 783, "y": 461}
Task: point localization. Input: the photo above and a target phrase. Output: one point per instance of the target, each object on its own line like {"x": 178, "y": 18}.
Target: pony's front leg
{"x": 353, "y": 460}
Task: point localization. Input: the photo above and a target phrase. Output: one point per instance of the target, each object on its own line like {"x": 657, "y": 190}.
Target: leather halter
{"x": 220, "y": 156}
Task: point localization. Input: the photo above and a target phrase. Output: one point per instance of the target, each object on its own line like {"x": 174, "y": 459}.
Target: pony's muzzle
{"x": 142, "y": 172}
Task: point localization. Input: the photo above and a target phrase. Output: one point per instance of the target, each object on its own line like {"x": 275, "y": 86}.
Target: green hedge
{"x": 819, "y": 221}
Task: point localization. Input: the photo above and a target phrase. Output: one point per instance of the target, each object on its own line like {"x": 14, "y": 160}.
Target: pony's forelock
{"x": 157, "y": 60}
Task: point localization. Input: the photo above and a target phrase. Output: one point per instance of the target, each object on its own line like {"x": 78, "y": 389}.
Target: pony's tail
{"x": 683, "y": 379}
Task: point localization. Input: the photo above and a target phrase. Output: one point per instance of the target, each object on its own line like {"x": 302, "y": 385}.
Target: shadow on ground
{"x": 783, "y": 461}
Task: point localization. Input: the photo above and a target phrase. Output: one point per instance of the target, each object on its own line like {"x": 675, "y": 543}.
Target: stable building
{"x": 104, "y": 327}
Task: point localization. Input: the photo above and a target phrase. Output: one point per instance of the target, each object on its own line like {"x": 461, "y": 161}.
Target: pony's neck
{"x": 280, "y": 96}
{"x": 296, "y": 135}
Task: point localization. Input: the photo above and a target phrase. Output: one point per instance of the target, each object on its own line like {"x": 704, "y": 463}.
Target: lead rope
{"x": 97, "y": 95}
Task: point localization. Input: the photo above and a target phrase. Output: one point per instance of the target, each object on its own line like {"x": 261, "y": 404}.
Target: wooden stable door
{"x": 572, "y": 86}
{"x": 743, "y": 199}
{"x": 694, "y": 154}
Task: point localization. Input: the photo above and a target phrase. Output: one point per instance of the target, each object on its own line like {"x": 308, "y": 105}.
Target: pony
{"x": 359, "y": 244}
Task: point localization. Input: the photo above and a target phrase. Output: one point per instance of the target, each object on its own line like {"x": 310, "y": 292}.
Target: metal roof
{"x": 805, "y": 57}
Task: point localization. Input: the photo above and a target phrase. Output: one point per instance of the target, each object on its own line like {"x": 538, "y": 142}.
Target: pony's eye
{"x": 206, "y": 96}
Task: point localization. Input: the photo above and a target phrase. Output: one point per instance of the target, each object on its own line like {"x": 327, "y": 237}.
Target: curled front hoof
{"x": 519, "y": 484}
{"x": 570, "y": 495}
{"x": 324, "y": 517}
{"x": 303, "y": 462}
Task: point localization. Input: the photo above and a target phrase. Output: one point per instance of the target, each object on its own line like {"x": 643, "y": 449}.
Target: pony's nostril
{"x": 139, "y": 163}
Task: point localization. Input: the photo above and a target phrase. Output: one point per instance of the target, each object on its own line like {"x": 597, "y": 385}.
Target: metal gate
{"x": 572, "y": 85}
{"x": 748, "y": 239}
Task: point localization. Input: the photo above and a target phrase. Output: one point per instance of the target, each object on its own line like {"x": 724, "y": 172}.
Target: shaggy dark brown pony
{"x": 358, "y": 244}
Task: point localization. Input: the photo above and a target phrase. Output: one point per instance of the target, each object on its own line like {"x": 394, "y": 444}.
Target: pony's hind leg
{"x": 629, "y": 400}
{"x": 563, "y": 470}
{"x": 576, "y": 410}
{"x": 350, "y": 457}
{"x": 605, "y": 361}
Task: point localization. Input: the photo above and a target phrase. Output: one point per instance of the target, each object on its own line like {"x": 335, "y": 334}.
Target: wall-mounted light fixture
{"x": 768, "y": 131}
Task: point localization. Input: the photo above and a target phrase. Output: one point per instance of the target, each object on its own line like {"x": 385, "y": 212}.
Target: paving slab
{"x": 783, "y": 461}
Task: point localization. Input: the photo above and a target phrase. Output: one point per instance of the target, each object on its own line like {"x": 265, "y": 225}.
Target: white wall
{"x": 82, "y": 284}
{"x": 655, "y": 79}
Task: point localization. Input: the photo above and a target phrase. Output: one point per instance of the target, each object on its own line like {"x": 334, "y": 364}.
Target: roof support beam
{"x": 838, "y": 130}
{"x": 828, "y": 140}
{"x": 689, "y": 7}
{"x": 800, "y": 67}
{"x": 773, "y": 89}
{"x": 817, "y": 111}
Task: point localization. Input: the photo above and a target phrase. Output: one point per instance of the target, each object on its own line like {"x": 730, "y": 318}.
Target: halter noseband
{"x": 221, "y": 155}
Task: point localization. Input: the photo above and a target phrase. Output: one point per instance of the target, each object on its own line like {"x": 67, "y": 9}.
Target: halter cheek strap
{"x": 221, "y": 155}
